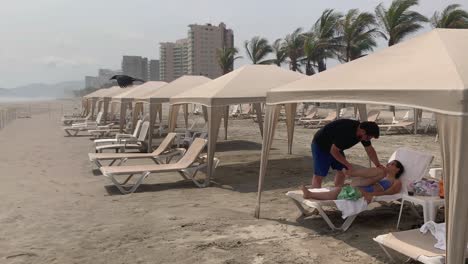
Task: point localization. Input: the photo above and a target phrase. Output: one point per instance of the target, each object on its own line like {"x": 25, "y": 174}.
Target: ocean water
{"x": 23, "y": 99}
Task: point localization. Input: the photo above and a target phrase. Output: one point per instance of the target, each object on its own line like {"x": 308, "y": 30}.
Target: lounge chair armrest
{"x": 126, "y": 141}
{"x": 124, "y": 136}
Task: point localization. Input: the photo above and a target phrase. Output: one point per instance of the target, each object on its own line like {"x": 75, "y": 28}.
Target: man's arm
{"x": 335, "y": 152}
{"x": 373, "y": 156}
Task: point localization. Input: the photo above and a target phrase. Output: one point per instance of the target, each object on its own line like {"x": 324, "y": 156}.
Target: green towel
{"x": 349, "y": 193}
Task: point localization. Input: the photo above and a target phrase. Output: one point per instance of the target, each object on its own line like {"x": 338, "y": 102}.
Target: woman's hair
{"x": 400, "y": 167}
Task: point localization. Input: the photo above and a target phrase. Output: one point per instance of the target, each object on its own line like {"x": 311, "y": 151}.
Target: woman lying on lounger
{"x": 366, "y": 182}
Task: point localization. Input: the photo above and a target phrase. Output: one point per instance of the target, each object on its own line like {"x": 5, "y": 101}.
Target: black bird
{"x": 125, "y": 80}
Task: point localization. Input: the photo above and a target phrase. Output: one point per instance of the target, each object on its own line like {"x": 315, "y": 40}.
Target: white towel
{"x": 349, "y": 208}
{"x": 437, "y": 230}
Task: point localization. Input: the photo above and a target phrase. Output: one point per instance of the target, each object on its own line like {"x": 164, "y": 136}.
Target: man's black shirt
{"x": 341, "y": 132}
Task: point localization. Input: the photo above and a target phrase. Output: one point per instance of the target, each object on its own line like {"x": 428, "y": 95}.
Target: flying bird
{"x": 125, "y": 80}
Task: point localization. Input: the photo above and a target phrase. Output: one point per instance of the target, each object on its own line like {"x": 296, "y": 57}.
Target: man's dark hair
{"x": 371, "y": 128}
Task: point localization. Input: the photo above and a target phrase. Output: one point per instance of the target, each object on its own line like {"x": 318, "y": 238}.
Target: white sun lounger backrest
{"x": 331, "y": 116}
{"x": 416, "y": 166}
{"x": 373, "y": 115}
{"x": 99, "y": 117}
{"x": 137, "y": 128}
{"x": 192, "y": 152}
{"x": 143, "y": 131}
{"x": 165, "y": 144}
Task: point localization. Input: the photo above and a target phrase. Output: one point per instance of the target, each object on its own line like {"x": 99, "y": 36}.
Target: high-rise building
{"x": 135, "y": 66}
{"x": 205, "y": 41}
{"x": 154, "y": 70}
{"x": 196, "y": 54}
{"x": 173, "y": 59}
{"x": 104, "y": 75}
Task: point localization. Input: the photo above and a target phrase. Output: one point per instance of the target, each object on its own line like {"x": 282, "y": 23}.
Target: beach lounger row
{"x": 187, "y": 166}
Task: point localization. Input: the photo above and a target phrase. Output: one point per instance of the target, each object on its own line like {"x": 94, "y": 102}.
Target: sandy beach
{"x": 58, "y": 208}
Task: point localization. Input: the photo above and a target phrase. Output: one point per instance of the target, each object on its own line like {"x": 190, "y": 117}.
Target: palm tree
{"x": 357, "y": 33}
{"x": 325, "y": 32}
{"x": 311, "y": 53}
{"x": 257, "y": 49}
{"x": 226, "y": 57}
{"x": 279, "y": 51}
{"x": 294, "y": 45}
{"x": 451, "y": 17}
{"x": 398, "y": 21}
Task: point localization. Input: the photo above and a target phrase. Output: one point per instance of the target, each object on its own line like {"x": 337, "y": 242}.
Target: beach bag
{"x": 425, "y": 187}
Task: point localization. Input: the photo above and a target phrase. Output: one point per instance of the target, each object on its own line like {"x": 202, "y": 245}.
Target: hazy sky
{"x": 58, "y": 40}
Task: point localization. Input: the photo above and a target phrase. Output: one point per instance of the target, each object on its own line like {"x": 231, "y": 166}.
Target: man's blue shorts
{"x": 323, "y": 160}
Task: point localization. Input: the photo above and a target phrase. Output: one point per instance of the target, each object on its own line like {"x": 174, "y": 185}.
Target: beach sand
{"x": 56, "y": 207}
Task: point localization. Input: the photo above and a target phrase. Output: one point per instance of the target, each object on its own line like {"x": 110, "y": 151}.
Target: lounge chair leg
{"x": 304, "y": 211}
{"x": 122, "y": 161}
{"x": 128, "y": 178}
{"x": 98, "y": 164}
{"x": 347, "y": 223}
{"x": 386, "y": 252}
{"x": 133, "y": 188}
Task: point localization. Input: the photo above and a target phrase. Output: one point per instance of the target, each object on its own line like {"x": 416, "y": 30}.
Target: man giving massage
{"x": 330, "y": 142}
{"x": 366, "y": 182}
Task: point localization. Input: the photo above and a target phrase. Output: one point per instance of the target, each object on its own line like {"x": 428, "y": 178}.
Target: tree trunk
{"x": 322, "y": 66}
{"x": 309, "y": 69}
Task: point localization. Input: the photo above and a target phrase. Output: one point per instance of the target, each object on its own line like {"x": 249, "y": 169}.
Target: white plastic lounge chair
{"x": 90, "y": 123}
{"x": 120, "y": 136}
{"x": 403, "y": 126}
{"x": 318, "y": 122}
{"x": 69, "y": 120}
{"x": 102, "y": 132}
{"x": 416, "y": 166}
{"x": 234, "y": 110}
{"x": 187, "y": 167}
{"x": 413, "y": 244}
{"x": 74, "y": 129}
{"x": 310, "y": 115}
{"x": 188, "y": 140}
{"x": 128, "y": 143}
{"x": 163, "y": 154}
{"x": 373, "y": 115}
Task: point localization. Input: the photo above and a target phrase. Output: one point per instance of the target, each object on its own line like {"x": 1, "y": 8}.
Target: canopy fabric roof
{"x": 113, "y": 91}
{"x": 182, "y": 84}
{"x": 248, "y": 84}
{"x": 429, "y": 71}
{"x": 140, "y": 90}
{"x": 96, "y": 93}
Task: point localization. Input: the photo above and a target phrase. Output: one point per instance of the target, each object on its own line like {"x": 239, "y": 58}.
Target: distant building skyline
{"x": 196, "y": 54}
{"x": 135, "y": 66}
{"x": 154, "y": 70}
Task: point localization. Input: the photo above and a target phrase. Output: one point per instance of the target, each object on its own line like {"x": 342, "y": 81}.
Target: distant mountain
{"x": 58, "y": 90}
{"x": 5, "y": 92}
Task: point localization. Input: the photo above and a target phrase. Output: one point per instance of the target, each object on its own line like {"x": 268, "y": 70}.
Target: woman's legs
{"x": 330, "y": 195}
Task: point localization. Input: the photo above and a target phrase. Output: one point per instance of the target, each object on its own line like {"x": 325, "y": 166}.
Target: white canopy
{"x": 130, "y": 95}
{"x": 162, "y": 95}
{"x": 102, "y": 93}
{"x": 429, "y": 72}
{"x": 139, "y": 91}
{"x": 248, "y": 84}
{"x": 180, "y": 85}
